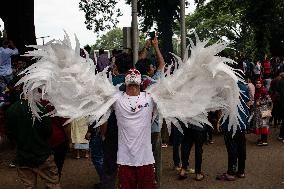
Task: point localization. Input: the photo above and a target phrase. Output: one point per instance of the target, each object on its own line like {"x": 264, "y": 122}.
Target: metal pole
{"x": 134, "y": 31}
{"x": 182, "y": 28}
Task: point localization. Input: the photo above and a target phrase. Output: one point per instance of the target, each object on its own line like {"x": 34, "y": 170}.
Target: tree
{"x": 111, "y": 40}
{"x": 221, "y": 19}
{"x": 18, "y": 18}
{"x": 114, "y": 40}
{"x": 254, "y": 28}
{"x": 266, "y": 19}
{"x": 161, "y": 12}
{"x": 100, "y": 14}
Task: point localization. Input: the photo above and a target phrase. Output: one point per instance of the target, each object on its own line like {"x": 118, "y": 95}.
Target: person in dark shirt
{"x": 34, "y": 155}
{"x": 280, "y": 92}
{"x": 236, "y": 143}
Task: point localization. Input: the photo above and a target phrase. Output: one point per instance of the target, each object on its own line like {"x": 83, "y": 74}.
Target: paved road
{"x": 265, "y": 168}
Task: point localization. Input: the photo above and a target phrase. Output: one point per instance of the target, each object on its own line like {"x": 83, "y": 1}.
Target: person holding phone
{"x": 151, "y": 72}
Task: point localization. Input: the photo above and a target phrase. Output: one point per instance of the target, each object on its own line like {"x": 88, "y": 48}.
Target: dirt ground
{"x": 264, "y": 168}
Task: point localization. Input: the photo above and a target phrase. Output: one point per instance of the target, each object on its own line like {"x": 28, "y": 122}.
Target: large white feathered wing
{"x": 204, "y": 82}
{"x": 67, "y": 81}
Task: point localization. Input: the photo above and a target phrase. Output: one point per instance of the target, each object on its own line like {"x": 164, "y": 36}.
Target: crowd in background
{"x": 262, "y": 95}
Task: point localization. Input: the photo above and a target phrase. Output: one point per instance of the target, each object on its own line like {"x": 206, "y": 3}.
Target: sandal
{"x": 241, "y": 175}
{"x": 225, "y": 177}
{"x": 182, "y": 175}
{"x": 199, "y": 177}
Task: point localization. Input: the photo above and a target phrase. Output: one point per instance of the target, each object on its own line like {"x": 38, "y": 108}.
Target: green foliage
{"x": 100, "y": 14}
{"x": 254, "y": 28}
{"x": 266, "y": 19}
{"x": 111, "y": 40}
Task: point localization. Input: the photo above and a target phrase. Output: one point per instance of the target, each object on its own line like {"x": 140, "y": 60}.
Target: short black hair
{"x": 143, "y": 65}
{"x": 123, "y": 62}
{"x": 101, "y": 51}
{"x": 5, "y": 42}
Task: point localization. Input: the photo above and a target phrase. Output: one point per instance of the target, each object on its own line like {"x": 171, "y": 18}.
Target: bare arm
{"x": 145, "y": 50}
{"x": 161, "y": 61}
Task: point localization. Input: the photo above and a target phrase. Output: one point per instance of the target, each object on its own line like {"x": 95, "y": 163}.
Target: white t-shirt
{"x": 134, "y": 115}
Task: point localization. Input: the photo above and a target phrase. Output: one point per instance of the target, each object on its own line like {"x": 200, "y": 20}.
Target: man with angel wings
{"x": 204, "y": 82}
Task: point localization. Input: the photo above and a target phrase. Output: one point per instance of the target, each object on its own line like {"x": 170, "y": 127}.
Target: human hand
{"x": 88, "y": 136}
{"x": 257, "y": 103}
{"x": 219, "y": 129}
{"x": 155, "y": 42}
{"x": 148, "y": 43}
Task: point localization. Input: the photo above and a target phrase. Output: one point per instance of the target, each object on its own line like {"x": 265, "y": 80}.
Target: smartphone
{"x": 152, "y": 35}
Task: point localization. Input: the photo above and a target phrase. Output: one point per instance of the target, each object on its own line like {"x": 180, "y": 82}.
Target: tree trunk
{"x": 18, "y": 18}
{"x": 165, "y": 23}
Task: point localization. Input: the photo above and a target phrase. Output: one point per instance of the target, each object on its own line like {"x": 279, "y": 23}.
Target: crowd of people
{"x": 128, "y": 146}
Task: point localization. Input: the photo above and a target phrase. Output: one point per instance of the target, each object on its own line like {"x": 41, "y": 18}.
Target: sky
{"x": 52, "y": 17}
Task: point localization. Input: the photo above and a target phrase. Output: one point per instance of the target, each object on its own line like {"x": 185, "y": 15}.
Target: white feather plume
{"x": 67, "y": 81}
{"x": 204, "y": 82}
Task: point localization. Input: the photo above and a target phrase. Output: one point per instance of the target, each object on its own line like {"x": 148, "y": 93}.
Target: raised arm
{"x": 161, "y": 61}
{"x": 143, "y": 54}
{"x": 13, "y": 50}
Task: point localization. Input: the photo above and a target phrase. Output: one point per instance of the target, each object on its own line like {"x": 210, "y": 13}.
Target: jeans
{"x": 236, "y": 148}
{"x": 177, "y": 141}
{"x": 4, "y": 81}
{"x": 96, "y": 149}
{"x": 110, "y": 146}
{"x": 192, "y": 136}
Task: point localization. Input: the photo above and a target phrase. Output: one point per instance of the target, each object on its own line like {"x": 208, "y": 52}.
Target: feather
{"x": 67, "y": 81}
{"x": 204, "y": 82}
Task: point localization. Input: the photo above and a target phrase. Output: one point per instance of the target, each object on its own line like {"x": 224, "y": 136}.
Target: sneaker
{"x": 12, "y": 165}
{"x": 264, "y": 143}
{"x": 259, "y": 143}
{"x": 191, "y": 171}
{"x": 280, "y": 138}
{"x": 210, "y": 142}
{"x": 164, "y": 145}
{"x": 241, "y": 175}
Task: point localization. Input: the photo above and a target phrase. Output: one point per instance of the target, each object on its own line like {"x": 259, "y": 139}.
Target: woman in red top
{"x": 261, "y": 104}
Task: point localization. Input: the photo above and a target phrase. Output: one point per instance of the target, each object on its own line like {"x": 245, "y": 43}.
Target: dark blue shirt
{"x": 244, "y": 115}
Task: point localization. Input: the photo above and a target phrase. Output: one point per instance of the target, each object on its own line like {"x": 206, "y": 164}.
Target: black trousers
{"x": 236, "y": 148}
{"x": 281, "y": 134}
{"x": 192, "y": 136}
{"x": 60, "y": 152}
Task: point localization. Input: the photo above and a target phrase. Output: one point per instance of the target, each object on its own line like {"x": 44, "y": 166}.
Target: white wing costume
{"x": 204, "y": 82}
